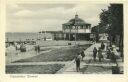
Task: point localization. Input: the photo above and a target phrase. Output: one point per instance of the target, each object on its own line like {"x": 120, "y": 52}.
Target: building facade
{"x": 76, "y": 29}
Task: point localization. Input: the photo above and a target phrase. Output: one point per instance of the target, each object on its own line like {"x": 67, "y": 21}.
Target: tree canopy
{"x": 112, "y": 19}
{"x": 111, "y": 22}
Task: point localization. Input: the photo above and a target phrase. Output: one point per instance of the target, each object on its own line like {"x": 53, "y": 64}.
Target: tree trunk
{"x": 121, "y": 47}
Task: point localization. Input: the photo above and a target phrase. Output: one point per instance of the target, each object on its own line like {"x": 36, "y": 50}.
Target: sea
{"x": 23, "y": 36}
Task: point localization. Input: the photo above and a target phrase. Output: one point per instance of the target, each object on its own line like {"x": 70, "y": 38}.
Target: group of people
{"x": 99, "y": 51}
{"x": 109, "y": 53}
{"x": 17, "y": 46}
{"x": 96, "y": 53}
{"x": 21, "y": 47}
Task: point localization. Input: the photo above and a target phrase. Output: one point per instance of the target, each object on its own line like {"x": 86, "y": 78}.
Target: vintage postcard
{"x": 69, "y": 38}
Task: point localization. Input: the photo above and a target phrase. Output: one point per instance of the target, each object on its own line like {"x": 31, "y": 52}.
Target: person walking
{"x": 108, "y": 53}
{"x": 82, "y": 54}
{"x": 102, "y": 46}
{"x": 100, "y": 56}
{"x": 113, "y": 57}
{"x": 23, "y": 47}
{"x": 77, "y": 61}
{"x": 94, "y": 53}
{"x": 37, "y": 48}
{"x": 18, "y": 47}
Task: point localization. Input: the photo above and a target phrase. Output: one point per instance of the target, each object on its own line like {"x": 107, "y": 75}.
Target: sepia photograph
{"x": 64, "y": 38}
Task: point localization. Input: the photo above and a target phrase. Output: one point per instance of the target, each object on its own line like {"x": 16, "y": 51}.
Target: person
{"x": 77, "y": 60}
{"x": 108, "y": 53}
{"x": 23, "y": 47}
{"x": 94, "y": 41}
{"x": 94, "y": 53}
{"x": 113, "y": 57}
{"x": 82, "y": 54}
{"x": 18, "y": 47}
{"x": 100, "y": 56}
{"x": 102, "y": 46}
{"x": 38, "y": 48}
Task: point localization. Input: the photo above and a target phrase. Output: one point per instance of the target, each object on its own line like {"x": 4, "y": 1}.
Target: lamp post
{"x": 98, "y": 33}
{"x": 69, "y": 33}
{"x": 45, "y": 35}
{"x": 109, "y": 33}
{"x": 64, "y": 33}
{"x": 75, "y": 35}
{"x": 76, "y": 31}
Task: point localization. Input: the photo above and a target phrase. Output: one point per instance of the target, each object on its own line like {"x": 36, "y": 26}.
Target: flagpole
{"x": 44, "y": 34}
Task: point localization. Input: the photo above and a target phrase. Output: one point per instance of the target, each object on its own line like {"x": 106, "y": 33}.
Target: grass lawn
{"x": 62, "y": 54}
{"x": 97, "y": 70}
{"x": 33, "y": 69}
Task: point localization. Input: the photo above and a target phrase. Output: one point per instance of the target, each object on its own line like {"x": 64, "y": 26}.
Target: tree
{"x": 112, "y": 21}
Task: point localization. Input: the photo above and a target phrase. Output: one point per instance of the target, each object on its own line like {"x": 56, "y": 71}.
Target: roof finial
{"x": 76, "y": 13}
{"x": 76, "y": 16}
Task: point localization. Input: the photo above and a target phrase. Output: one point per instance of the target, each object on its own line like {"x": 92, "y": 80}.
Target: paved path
{"x": 72, "y": 68}
{"x": 88, "y": 66}
{"x": 37, "y": 63}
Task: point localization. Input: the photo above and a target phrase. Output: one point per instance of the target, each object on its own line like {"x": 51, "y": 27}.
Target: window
{"x": 87, "y": 27}
{"x": 73, "y": 27}
{"x": 81, "y": 27}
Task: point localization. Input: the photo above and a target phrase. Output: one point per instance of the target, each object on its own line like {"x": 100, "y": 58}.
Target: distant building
{"x": 76, "y": 29}
{"x": 53, "y": 35}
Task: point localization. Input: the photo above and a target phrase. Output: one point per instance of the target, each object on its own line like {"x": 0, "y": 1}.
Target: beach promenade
{"x": 89, "y": 66}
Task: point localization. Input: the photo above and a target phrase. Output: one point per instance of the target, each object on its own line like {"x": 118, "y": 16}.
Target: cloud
{"x": 24, "y": 13}
{"x": 33, "y": 17}
{"x": 46, "y": 6}
{"x": 12, "y": 6}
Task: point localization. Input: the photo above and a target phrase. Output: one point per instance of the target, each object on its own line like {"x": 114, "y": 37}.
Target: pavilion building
{"x": 76, "y": 29}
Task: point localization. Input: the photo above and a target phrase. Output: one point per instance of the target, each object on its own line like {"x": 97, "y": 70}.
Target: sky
{"x": 32, "y": 17}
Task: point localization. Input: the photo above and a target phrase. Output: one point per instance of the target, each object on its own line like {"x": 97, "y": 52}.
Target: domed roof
{"x": 76, "y": 21}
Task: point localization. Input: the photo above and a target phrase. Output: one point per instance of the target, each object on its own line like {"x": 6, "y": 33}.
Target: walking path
{"x": 37, "y": 63}
{"x": 89, "y": 65}
{"x": 72, "y": 68}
